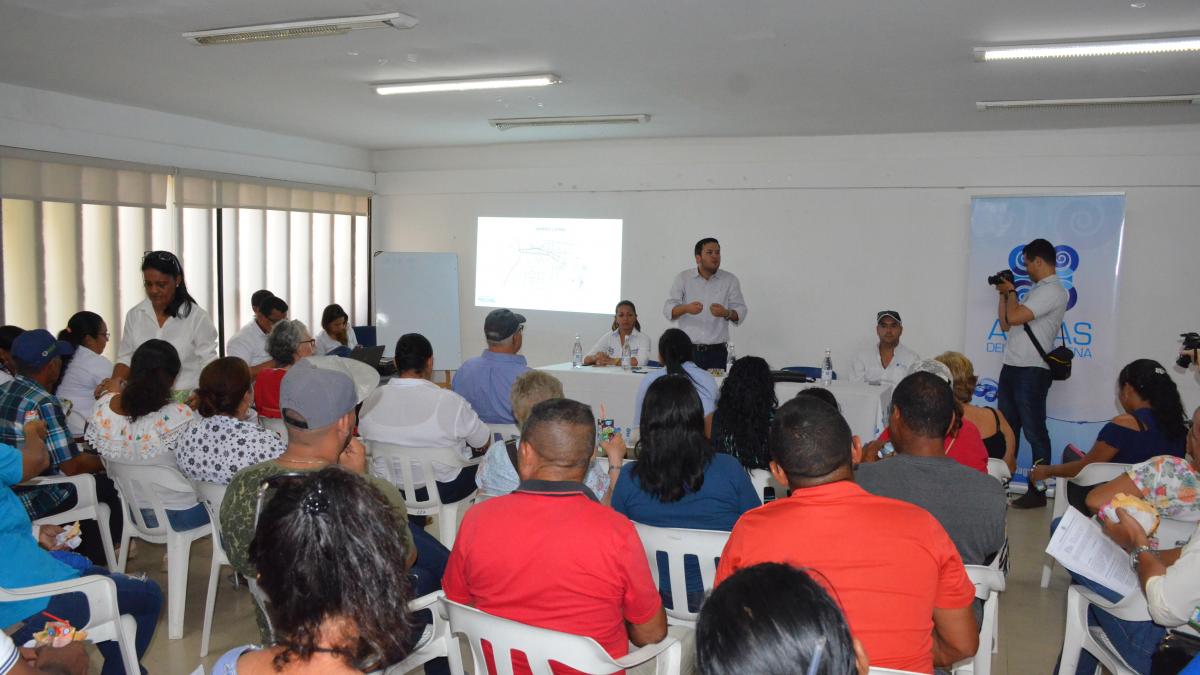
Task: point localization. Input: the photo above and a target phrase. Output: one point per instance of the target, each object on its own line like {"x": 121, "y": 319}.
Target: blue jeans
{"x": 182, "y": 520}
{"x": 1021, "y": 398}
{"x": 139, "y": 598}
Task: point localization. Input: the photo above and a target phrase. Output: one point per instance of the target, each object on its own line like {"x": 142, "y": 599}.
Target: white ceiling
{"x": 698, "y": 67}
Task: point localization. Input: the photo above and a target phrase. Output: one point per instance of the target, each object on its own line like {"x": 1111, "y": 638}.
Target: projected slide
{"x": 557, "y": 264}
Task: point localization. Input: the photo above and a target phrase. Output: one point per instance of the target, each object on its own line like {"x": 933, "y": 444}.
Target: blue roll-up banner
{"x": 1086, "y": 231}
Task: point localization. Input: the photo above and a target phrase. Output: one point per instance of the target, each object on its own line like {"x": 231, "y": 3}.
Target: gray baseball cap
{"x": 935, "y": 367}
{"x": 501, "y": 324}
{"x": 312, "y": 397}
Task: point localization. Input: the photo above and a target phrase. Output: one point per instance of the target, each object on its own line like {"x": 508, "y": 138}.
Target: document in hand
{"x": 1081, "y": 546}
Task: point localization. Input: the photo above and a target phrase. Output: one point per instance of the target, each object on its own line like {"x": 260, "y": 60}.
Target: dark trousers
{"x": 710, "y": 356}
{"x": 1022, "y": 400}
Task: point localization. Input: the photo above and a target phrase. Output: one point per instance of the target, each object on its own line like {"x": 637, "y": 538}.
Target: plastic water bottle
{"x": 628, "y": 437}
{"x": 577, "y": 354}
{"x": 827, "y": 369}
{"x": 626, "y": 356}
{"x": 730, "y": 357}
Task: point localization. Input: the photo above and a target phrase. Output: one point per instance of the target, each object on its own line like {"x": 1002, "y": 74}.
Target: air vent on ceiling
{"x": 504, "y": 124}
{"x": 299, "y": 29}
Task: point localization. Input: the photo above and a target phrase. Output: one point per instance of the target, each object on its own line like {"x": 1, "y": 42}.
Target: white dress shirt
{"x": 326, "y": 343}
{"x": 867, "y": 365}
{"x": 1048, "y": 302}
{"x": 85, "y": 372}
{"x": 722, "y": 288}
{"x": 1174, "y": 596}
{"x": 193, "y": 336}
{"x": 249, "y": 345}
{"x": 416, "y": 413}
{"x": 639, "y": 346}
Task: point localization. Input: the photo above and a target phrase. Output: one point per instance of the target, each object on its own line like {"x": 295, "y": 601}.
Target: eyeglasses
{"x": 312, "y": 341}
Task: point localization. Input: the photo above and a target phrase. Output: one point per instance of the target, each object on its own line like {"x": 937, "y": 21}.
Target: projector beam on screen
{"x": 552, "y": 264}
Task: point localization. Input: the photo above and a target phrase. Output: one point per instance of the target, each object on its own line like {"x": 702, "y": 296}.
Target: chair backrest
{"x": 402, "y": 459}
{"x": 997, "y": 469}
{"x": 274, "y": 424}
{"x": 211, "y": 495}
{"x": 766, "y": 486}
{"x": 1092, "y": 474}
{"x": 136, "y": 482}
{"x": 677, "y": 545}
{"x": 540, "y": 645}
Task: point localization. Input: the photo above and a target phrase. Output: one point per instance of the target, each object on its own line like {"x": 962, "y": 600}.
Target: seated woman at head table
{"x": 625, "y": 330}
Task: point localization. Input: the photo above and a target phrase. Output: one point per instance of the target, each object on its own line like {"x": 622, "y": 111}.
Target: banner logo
{"x": 1066, "y": 261}
{"x": 986, "y": 389}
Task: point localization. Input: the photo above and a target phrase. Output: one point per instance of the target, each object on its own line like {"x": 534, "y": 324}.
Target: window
{"x": 74, "y": 231}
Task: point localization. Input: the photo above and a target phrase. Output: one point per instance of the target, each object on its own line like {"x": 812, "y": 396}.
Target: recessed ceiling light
{"x": 1138, "y": 5}
{"x": 1189, "y": 43}
{"x": 475, "y": 84}
{"x": 1173, "y": 99}
{"x": 298, "y": 29}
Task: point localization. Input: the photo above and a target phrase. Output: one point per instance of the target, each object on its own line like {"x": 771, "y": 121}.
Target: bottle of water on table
{"x": 626, "y": 356}
{"x": 577, "y": 354}
{"x": 827, "y": 369}
{"x": 730, "y": 357}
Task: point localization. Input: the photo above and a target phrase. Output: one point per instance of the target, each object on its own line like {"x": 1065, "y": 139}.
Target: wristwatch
{"x": 1133, "y": 555}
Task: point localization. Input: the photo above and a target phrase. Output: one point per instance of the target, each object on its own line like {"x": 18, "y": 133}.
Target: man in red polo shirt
{"x": 549, "y": 554}
{"x": 889, "y": 564}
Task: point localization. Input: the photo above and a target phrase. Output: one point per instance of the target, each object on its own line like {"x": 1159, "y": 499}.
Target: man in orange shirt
{"x": 889, "y": 564}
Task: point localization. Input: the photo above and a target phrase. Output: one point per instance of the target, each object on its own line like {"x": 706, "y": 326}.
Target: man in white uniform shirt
{"x": 888, "y": 361}
{"x": 250, "y": 343}
{"x": 704, "y": 301}
{"x": 1025, "y": 378}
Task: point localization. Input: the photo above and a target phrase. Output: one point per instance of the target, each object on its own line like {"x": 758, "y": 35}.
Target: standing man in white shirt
{"x": 704, "y": 301}
{"x": 250, "y": 343}
{"x": 887, "y": 362}
{"x": 1025, "y": 378}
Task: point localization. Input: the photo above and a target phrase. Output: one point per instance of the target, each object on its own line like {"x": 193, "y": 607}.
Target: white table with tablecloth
{"x": 863, "y": 405}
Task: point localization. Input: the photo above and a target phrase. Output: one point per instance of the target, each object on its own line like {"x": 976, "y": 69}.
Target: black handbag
{"x": 1059, "y": 358}
{"x": 1175, "y": 651}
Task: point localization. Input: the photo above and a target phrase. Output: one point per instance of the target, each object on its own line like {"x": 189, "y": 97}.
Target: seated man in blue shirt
{"x": 486, "y": 380}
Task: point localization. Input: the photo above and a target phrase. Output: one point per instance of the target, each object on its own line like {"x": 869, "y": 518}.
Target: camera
{"x": 1191, "y": 341}
{"x": 1002, "y": 275}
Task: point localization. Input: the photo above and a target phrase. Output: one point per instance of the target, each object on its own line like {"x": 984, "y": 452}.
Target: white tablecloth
{"x": 863, "y": 405}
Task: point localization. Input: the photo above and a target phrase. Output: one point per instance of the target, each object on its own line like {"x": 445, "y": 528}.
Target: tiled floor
{"x": 1031, "y": 619}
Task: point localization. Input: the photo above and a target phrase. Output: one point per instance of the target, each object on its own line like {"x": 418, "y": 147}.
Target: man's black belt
{"x": 704, "y": 348}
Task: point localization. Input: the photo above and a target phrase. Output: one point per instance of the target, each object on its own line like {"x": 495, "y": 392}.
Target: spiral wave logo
{"x": 1066, "y": 262}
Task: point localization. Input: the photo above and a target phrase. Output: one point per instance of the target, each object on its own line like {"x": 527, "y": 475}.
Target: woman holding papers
{"x": 625, "y": 330}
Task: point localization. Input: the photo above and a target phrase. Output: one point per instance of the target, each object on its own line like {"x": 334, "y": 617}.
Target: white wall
{"x": 54, "y": 122}
{"x": 822, "y": 231}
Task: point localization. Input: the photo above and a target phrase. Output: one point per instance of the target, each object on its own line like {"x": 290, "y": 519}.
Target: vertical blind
{"x": 74, "y": 231}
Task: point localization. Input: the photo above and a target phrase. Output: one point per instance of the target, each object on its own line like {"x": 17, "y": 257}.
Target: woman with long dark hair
{"x": 168, "y": 313}
{"x": 626, "y": 329}
{"x": 744, "y": 413}
{"x": 329, "y": 522}
{"x": 137, "y": 424}
{"x": 86, "y": 370}
{"x": 676, "y": 352}
{"x": 336, "y": 331}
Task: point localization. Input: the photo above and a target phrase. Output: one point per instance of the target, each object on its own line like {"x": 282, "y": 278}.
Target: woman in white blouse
{"x": 87, "y": 370}
{"x": 625, "y": 329}
{"x": 138, "y": 424}
{"x": 335, "y": 331}
{"x": 168, "y": 313}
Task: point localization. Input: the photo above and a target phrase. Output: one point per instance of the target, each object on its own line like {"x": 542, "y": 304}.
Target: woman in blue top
{"x": 676, "y": 352}
{"x": 1153, "y": 424}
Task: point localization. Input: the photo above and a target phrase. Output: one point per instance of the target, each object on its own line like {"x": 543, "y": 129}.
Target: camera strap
{"x": 1036, "y": 345}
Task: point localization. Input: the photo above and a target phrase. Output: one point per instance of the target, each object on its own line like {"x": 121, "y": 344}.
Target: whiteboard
{"x": 418, "y": 293}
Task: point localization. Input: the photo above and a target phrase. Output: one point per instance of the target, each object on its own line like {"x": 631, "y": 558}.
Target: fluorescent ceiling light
{"x": 299, "y": 29}
{"x": 581, "y": 120}
{"x": 1180, "y": 99}
{"x": 427, "y": 86}
{"x": 1098, "y": 48}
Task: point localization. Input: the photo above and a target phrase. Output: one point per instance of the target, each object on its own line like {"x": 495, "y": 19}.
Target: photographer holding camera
{"x": 1025, "y": 378}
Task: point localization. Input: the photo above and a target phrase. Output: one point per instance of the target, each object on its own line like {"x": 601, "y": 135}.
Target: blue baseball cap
{"x": 35, "y": 348}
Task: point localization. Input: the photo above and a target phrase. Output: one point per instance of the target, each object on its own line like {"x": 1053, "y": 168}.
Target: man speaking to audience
{"x": 704, "y": 301}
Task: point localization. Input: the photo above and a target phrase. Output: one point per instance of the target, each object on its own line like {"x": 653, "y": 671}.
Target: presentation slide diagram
{"x": 555, "y": 264}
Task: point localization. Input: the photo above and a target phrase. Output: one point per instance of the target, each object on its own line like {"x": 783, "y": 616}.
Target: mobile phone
{"x": 607, "y": 429}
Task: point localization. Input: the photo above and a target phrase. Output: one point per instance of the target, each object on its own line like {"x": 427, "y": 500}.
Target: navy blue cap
{"x": 35, "y": 348}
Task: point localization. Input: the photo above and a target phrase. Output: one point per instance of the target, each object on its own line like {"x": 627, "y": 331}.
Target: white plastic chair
{"x": 402, "y": 459}
{"x": 1092, "y": 474}
{"x": 1173, "y": 533}
{"x": 274, "y": 424}
{"x": 140, "y": 480}
{"x": 441, "y": 644}
{"x": 87, "y": 507}
{"x": 104, "y": 623}
{"x": 997, "y": 469}
{"x": 989, "y": 583}
{"x": 705, "y": 545}
{"x": 541, "y": 645}
{"x": 211, "y": 495}
{"x": 1078, "y": 635}
{"x": 762, "y": 479}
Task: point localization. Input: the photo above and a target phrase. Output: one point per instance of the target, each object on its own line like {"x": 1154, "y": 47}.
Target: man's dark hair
{"x": 256, "y": 300}
{"x": 412, "y": 352}
{"x": 810, "y": 439}
{"x": 925, "y": 403}
{"x": 561, "y": 431}
{"x": 273, "y": 304}
{"x": 672, "y": 452}
{"x": 772, "y": 619}
{"x": 1040, "y": 248}
{"x": 707, "y": 240}
{"x": 821, "y": 394}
